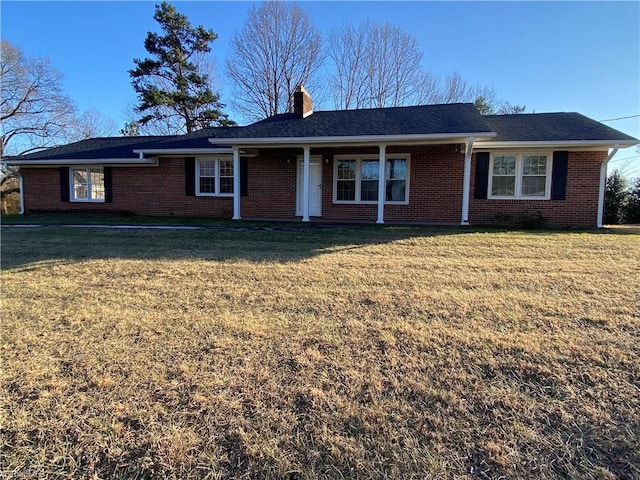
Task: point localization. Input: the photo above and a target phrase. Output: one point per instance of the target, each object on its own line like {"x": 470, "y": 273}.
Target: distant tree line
{"x": 621, "y": 200}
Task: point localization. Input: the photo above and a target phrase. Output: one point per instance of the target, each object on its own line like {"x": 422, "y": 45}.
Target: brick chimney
{"x": 302, "y": 104}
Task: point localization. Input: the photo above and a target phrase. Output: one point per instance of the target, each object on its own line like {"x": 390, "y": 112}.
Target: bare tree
{"x": 347, "y": 49}
{"x": 34, "y": 112}
{"x": 376, "y": 66}
{"x": 277, "y": 49}
{"x": 89, "y": 124}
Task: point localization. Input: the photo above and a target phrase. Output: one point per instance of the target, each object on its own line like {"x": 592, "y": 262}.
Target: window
{"x": 357, "y": 179}
{"x": 87, "y": 184}
{"x": 214, "y": 176}
{"x": 520, "y": 175}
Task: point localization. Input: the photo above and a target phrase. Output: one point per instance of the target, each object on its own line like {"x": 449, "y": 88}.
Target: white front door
{"x": 315, "y": 187}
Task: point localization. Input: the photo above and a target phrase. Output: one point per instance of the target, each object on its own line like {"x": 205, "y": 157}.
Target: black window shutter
{"x": 64, "y": 184}
{"x": 244, "y": 177}
{"x": 482, "y": 175}
{"x": 559, "y": 175}
{"x": 190, "y": 176}
{"x": 108, "y": 185}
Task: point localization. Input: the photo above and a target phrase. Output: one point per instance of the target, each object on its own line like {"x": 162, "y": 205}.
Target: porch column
{"x": 382, "y": 183}
{"x": 306, "y": 167}
{"x": 236, "y": 183}
{"x": 466, "y": 181}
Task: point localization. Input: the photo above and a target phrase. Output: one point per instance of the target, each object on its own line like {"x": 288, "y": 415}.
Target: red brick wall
{"x": 579, "y": 209}
{"x": 435, "y": 187}
{"x": 435, "y": 191}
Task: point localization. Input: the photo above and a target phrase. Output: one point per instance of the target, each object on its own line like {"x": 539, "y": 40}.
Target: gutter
{"x": 85, "y": 161}
{"x": 178, "y": 151}
{"x": 20, "y": 185}
{"x": 603, "y": 182}
{"x": 359, "y": 140}
{"x": 553, "y": 144}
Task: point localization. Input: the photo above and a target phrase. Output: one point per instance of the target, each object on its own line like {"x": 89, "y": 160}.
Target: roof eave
{"x": 355, "y": 140}
{"x": 81, "y": 161}
{"x": 181, "y": 151}
{"x": 590, "y": 144}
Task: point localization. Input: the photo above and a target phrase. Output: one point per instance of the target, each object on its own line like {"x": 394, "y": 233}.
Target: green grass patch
{"x": 347, "y": 352}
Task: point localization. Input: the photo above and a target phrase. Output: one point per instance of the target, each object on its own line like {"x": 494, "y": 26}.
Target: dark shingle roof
{"x": 531, "y": 127}
{"x": 451, "y": 118}
{"x": 457, "y": 118}
{"x": 96, "y": 148}
{"x": 426, "y": 119}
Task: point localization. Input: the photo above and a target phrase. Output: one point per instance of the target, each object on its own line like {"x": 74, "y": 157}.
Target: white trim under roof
{"x": 180, "y": 151}
{"x": 84, "y": 161}
{"x": 483, "y": 145}
{"x": 413, "y": 139}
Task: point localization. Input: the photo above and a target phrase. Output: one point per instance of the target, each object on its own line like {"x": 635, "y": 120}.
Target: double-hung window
{"x": 214, "y": 176}
{"x": 356, "y": 179}
{"x": 87, "y": 184}
{"x": 520, "y": 175}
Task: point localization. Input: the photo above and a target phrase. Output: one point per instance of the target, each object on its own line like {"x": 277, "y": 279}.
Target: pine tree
{"x": 173, "y": 90}
{"x": 615, "y": 198}
{"x": 632, "y": 211}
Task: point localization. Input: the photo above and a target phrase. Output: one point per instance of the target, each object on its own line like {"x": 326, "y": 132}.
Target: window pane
{"x": 534, "y": 186}
{"x": 226, "y": 176}
{"x": 504, "y": 165}
{"x": 97, "y": 183}
{"x": 226, "y": 184}
{"x": 347, "y": 170}
{"x": 207, "y": 185}
{"x": 535, "y": 165}
{"x": 396, "y": 169}
{"x": 369, "y": 190}
{"x": 207, "y": 168}
{"x": 346, "y": 181}
{"x": 346, "y": 190}
{"x": 226, "y": 168}
{"x": 80, "y": 183}
{"x": 504, "y": 186}
{"x": 396, "y": 191}
{"x": 370, "y": 169}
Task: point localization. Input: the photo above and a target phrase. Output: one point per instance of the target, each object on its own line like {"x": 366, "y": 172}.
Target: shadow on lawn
{"x": 41, "y": 247}
{"x": 29, "y": 248}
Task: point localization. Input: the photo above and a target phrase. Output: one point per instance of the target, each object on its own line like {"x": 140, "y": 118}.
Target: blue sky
{"x": 549, "y": 56}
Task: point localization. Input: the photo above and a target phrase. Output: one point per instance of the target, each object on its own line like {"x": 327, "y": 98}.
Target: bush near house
{"x": 330, "y": 353}
{"x": 622, "y": 200}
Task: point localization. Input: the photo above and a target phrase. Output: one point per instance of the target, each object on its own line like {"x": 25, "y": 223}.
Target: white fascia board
{"x": 413, "y": 139}
{"x": 182, "y": 151}
{"x": 84, "y": 161}
{"x": 590, "y": 144}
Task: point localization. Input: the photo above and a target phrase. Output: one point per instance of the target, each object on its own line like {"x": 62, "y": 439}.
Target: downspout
{"x": 466, "y": 182}
{"x": 20, "y": 185}
{"x": 603, "y": 183}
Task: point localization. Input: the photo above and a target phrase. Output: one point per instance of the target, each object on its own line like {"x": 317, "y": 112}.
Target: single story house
{"x": 439, "y": 164}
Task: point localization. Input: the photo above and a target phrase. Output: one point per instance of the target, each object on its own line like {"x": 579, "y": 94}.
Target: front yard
{"x": 347, "y": 352}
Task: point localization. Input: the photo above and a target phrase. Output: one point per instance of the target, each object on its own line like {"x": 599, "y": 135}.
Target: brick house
{"x": 439, "y": 164}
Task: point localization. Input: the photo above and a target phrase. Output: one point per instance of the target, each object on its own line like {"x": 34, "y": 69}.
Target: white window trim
{"x": 519, "y": 174}
{"x": 217, "y": 177}
{"x": 72, "y": 189}
{"x": 358, "y": 159}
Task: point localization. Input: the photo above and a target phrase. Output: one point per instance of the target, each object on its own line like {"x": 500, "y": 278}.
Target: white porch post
{"x": 466, "y": 181}
{"x": 306, "y": 167}
{"x": 236, "y": 183}
{"x": 382, "y": 183}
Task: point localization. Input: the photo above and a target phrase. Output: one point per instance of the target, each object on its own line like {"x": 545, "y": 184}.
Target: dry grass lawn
{"x": 352, "y": 352}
